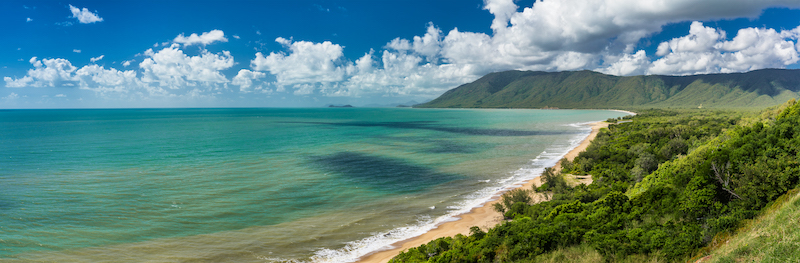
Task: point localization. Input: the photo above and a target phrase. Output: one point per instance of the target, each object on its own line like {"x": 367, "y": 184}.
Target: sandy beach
{"x": 483, "y": 216}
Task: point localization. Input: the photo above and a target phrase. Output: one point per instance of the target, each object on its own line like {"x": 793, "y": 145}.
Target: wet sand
{"x": 483, "y": 216}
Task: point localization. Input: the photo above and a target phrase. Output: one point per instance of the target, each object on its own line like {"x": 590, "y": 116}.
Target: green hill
{"x": 588, "y": 89}
{"x": 668, "y": 185}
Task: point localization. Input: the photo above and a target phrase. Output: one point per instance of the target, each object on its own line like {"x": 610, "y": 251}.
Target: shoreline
{"x": 482, "y": 216}
{"x": 624, "y": 111}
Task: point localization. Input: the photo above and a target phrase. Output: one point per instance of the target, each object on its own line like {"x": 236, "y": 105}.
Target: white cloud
{"x": 46, "y": 73}
{"x": 236, "y": 37}
{"x": 76, "y": 50}
{"x": 12, "y": 96}
{"x": 306, "y": 62}
{"x": 18, "y": 83}
{"x": 203, "y": 39}
{"x": 244, "y": 79}
{"x": 60, "y": 96}
{"x": 628, "y": 64}
{"x": 28, "y": 19}
{"x": 102, "y": 80}
{"x": 95, "y": 59}
{"x": 170, "y": 67}
{"x": 571, "y": 35}
{"x": 399, "y": 44}
{"x": 303, "y": 89}
{"x": 502, "y": 11}
{"x": 430, "y": 44}
{"x": 167, "y": 74}
{"x": 84, "y": 16}
{"x": 700, "y": 39}
{"x": 706, "y": 50}
{"x": 127, "y": 63}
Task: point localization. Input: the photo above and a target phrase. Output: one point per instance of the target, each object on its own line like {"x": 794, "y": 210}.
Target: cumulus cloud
{"x": 95, "y": 59}
{"x": 706, "y": 50}
{"x": 60, "y": 72}
{"x": 127, "y": 63}
{"x": 502, "y": 11}
{"x": 430, "y": 44}
{"x": 203, "y": 39}
{"x": 18, "y": 83}
{"x": 84, "y": 16}
{"x": 28, "y": 19}
{"x": 399, "y": 74}
{"x": 170, "y": 67}
{"x": 76, "y": 50}
{"x": 166, "y": 73}
{"x": 102, "y": 80}
{"x": 46, "y": 73}
{"x": 628, "y": 64}
{"x": 244, "y": 79}
{"x": 306, "y": 62}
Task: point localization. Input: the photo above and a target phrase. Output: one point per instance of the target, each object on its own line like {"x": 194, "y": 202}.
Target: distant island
{"x": 340, "y": 106}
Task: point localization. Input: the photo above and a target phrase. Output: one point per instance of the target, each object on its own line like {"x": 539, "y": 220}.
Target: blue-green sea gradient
{"x": 257, "y": 185}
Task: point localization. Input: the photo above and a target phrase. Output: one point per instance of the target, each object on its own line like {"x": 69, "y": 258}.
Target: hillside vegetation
{"x": 773, "y": 237}
{"x": 665, "y": 185}
{"x": 588, "y": 89}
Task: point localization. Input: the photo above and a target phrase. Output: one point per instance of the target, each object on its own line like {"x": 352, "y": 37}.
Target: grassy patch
{"x": 772, "y": 237}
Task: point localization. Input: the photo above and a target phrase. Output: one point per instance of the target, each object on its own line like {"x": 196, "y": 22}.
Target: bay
{"x": 256, "y": 185}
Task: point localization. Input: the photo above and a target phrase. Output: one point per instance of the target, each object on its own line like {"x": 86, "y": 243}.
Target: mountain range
{"x": 589, "y": 89}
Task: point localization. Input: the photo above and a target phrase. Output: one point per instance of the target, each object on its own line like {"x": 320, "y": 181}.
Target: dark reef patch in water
{"x": 443, "y": 146}
{"x": 434, "y": 145}
{"x": 430, "y": 125}
{"x": 381, "y": 173}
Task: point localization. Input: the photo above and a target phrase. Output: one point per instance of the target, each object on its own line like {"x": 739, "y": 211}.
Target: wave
{"x": 381, "y": 241}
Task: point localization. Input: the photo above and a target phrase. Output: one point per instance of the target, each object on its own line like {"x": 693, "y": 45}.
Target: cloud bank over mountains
{"x": 600, "y": 35}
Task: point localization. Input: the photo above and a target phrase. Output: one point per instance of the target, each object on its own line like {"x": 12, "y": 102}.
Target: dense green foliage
{"x": 510, "y": 198}
{"x": 587, "y": 89}
{"x": 665, "y": 183}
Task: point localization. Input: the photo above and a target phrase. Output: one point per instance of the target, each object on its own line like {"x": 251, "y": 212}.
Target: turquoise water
{"x": 257, "y": 185}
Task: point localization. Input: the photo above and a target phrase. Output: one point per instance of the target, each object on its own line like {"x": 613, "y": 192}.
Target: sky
{"x": 310, "y": 53}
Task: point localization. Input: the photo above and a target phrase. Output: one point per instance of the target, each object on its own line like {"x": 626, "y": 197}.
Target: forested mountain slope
{"x": 588, "y": 89}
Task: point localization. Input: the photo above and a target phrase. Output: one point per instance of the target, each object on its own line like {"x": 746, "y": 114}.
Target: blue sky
{"x": 110, "y": 54}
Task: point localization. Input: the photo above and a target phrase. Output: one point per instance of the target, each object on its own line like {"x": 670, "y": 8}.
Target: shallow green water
{"x": 257, "y": 184}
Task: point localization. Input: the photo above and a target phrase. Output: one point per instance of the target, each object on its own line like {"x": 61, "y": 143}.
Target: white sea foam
{"x": 383, "y": 240}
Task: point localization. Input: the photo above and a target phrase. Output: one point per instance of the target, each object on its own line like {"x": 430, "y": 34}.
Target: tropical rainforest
{"x": 667, "y": 184}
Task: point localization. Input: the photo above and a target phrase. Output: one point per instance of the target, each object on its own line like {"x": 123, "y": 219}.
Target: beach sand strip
{"x": 483, "y": 216}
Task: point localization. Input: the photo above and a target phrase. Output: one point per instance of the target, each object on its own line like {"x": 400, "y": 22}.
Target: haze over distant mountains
{"x": 589, "y": 89}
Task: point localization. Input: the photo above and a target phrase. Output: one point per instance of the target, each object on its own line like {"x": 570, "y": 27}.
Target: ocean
{"x": 258, "y": 185}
